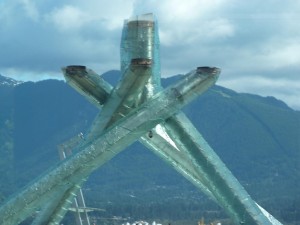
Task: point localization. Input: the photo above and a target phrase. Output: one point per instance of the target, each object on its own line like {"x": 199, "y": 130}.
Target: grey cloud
{"x": 245, "y": 39}
{"x": 39, "y": 46}
{"x": 281, "y": 88}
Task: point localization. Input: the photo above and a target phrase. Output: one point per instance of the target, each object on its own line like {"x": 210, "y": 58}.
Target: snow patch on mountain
{"x": 6, "y": 81}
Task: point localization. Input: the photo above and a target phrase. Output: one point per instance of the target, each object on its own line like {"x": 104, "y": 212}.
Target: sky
{"x": 255, "y": 43}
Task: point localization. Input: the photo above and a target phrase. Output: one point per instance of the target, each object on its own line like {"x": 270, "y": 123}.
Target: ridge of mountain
{"x": 8, "y": 81}
{"x": 257, "y": 138}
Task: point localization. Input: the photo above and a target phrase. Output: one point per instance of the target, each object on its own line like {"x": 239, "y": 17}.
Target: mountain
{"x": 6, "y": 81}
{"x": 257, "y": 138}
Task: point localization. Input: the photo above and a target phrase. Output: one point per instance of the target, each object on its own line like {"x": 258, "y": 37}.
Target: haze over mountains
{"x": 258, "y": 138}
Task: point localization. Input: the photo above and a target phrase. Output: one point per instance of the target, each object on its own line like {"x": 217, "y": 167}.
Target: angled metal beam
{"x": 125, "y": 96}
{"x": 140, "y": 39}
{"x": 95, "y": 153}
{"x": 88, "y": 83}
{"x": 120, "y": 101}
{"x": 213, "y": 174}
{"x": 178, "y": 154}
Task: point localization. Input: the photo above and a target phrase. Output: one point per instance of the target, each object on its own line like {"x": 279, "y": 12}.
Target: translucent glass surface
{"x": 140, "y": 40}
{"x": 137, "y": 109}
{"x": 67, "y": 175}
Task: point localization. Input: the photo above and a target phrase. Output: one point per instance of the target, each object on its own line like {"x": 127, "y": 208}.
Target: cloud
{"x": 63, "y": 34}
{"x": 68, "y": 17}
{"x": 245, "y": 39}
{"x": 267, "y": 86}
{"x": 30, "y": 9}
{"x": 187, "y": 23}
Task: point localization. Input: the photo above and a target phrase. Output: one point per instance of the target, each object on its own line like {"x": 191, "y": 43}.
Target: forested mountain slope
{"x": 258, "y": 138}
